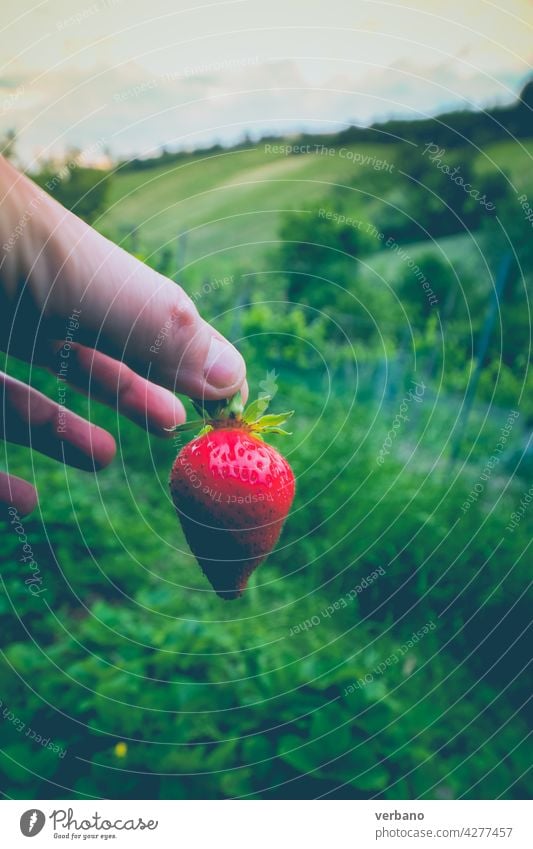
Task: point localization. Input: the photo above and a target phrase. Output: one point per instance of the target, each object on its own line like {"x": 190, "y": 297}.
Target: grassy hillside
{"x": 221, "y": 211}
{"x": 227, "y": 200}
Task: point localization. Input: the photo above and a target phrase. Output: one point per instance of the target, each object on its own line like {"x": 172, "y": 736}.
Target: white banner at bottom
{"x": 264, "y": 824}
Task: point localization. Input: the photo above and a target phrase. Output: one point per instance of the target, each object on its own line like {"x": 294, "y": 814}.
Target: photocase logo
{"x": 32, "y": 822}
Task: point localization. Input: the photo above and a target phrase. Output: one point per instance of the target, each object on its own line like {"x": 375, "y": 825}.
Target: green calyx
{"x": 230, "y": 412}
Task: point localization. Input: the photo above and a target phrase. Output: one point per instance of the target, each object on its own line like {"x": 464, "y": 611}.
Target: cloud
{"x": 136, "y": 112}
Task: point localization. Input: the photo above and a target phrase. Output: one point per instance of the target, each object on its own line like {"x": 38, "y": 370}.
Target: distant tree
{"x": 429, "y": 285}
{"x": 451, "y": 129}
{"x": 83, "y": 190}
{"x": 440, "y": 194}
{"x": 318, "y": 262}
{"x": 513, "y": 233}
{"x": 7, "y": 144}
{"x": 313, "y": 244}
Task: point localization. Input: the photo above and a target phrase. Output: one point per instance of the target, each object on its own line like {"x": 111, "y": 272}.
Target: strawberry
{"x": 232, "y": 491}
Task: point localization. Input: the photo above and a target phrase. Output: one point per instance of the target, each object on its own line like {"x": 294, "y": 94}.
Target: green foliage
{"x": 438, "y": 193}
{"x": 318, "y": 260}
{"x": 83, "y": 190}
{"x": 296, "y": 339}
{"x": 432, "y": 285}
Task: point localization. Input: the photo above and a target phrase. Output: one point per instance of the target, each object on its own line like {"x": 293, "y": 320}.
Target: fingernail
{"x": 223, "y": 365}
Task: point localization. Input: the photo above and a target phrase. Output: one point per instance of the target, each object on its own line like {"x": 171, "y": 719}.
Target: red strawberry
{"x": 232, "y": 492}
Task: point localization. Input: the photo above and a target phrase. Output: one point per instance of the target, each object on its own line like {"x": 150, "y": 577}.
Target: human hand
{"x": 138, "y": 336}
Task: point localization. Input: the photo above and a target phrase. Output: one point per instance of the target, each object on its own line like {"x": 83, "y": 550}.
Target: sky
{"x": 131, "y": 76}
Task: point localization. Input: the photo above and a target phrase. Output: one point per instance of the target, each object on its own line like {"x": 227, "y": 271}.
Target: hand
{"x": 103, "y": 322}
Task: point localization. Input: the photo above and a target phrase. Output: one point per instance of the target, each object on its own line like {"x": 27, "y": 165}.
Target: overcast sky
{"x": 134, "y": 75}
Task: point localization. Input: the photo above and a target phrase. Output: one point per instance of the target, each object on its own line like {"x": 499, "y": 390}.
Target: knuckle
{"x": 125, "y": 380}
{"x": 183, "y": 313}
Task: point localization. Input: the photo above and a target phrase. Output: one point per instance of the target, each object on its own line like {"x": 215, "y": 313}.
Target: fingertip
{"x": 224, "y": 368}
{"x": 163, "y": 410}
{"x": 104, "y": 449}
{"x": 28, "y": 502}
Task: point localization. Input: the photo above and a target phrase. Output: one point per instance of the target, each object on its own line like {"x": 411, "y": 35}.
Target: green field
{"x": 230, "y": 189}
{"x": 222, "y": 211}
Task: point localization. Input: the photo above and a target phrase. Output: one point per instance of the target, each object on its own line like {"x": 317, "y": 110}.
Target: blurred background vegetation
{"x": 313, "y": 264}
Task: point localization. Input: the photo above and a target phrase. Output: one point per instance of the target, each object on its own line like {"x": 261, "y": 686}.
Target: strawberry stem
{"x": 225, "y": 408}
{"x": 230, "y": 412}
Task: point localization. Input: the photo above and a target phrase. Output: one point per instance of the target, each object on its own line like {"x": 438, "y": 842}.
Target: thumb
{"x": 133, "y": 313}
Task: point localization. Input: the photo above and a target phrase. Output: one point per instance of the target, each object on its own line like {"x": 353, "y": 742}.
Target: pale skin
{"x": 54, "y": 266}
